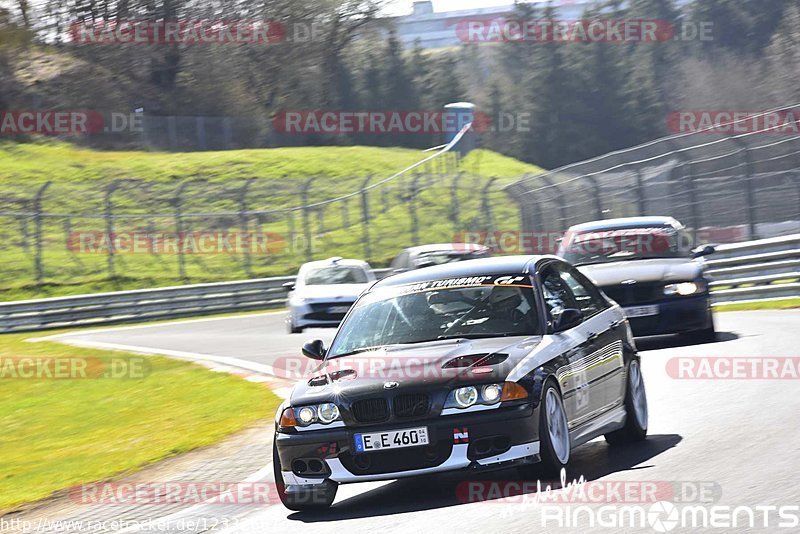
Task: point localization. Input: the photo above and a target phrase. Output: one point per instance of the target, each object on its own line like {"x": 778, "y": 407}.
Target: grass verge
{"x": 60, "y": 432}
{"x": 442, "y": 202}
{"x": 783, "y": 304}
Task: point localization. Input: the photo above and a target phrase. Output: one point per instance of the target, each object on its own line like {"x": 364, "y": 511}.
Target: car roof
{"x": 466, "y": 248}
{"x": 484, "y": 266}
{"x": 334, "y": 261}
{"x": 625, "y": 222}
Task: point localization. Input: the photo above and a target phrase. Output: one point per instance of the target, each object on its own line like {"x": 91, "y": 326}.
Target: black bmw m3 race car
{"x": 483, "y": 364}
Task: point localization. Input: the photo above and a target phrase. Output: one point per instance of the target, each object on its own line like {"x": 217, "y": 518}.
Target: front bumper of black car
{"x": 478, "y": 440}
{"x": 675, "y": 316}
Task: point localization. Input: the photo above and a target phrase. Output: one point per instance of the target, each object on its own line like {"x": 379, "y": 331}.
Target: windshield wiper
{"x": 474, "y": 336}
{"x": 359, "y": 350}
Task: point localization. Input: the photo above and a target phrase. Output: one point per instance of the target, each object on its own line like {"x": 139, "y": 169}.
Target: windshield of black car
{"x": 490, "y": 306}
{"x": 338, "y": 274}
{"x": 604, "y": 246}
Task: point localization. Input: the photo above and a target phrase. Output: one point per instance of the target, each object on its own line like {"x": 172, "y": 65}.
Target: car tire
{"x": 292, "y": 329}
{"x": 554, "y": 440}
{"x": 635, "y": 428}
{"x": 319, "y": 498}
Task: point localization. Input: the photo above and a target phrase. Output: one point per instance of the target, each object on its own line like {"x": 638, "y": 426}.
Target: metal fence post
{"x": 320, "y": 220}
{"x": 598, "y": 201}
{"x": 177, "y": 206}
{"x": 365, "y": 218}
{"x": 454, "y": 207}
{"x": 412, "y": 210}
{"x": 108, "y": 216}
{"x": 749, "y": 192}
{"x": 486, "y": 206}
{"x": 37, "y": 237}
{"x": 688, "y": 173}
{"x": 562, "y": 208}
{"x": 244, "y": 223}
{"x": 306, "y": 222}
{"x": 640, "y": 192}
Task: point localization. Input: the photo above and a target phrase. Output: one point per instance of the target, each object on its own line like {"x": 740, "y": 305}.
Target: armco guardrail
{"x": 756, "y": 270}
{"x": 146, "y": 304}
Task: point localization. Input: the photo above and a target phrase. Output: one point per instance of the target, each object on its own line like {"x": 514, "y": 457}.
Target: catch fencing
{"x": 756, "y": 270}
{"x": 143, "y": 233}
{"x": 725, "y": 188}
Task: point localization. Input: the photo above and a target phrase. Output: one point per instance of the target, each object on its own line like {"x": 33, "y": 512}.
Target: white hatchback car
{"x": 324, "y": 291}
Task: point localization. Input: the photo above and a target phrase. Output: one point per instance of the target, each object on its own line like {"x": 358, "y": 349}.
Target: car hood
{"x": 653, "y": 270}
{"x": 414, "y": 366}
{"x": 332, "y": 291}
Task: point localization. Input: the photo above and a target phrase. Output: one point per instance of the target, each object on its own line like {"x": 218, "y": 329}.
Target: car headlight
{"x": 466, "y": 396}
{"x": 487, "y": 394}
{"x": 491, "y": 393}
{"x": 325, "y": 414}
{"x": 684, "y": 288}
{"x": 306, "y": 415}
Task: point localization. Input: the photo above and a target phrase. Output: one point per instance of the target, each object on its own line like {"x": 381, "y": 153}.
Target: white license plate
{"x": 338, "y": 309}
{"x": 641, "y": 311}
{"x": 395, "y": 439}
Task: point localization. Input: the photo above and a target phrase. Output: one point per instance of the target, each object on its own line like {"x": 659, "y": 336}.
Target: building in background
{"x": 438, "y": 29}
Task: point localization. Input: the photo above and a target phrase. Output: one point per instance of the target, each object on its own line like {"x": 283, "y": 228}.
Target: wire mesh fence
{"x": 725, "y": 188}
{"x": 145, "y": 232}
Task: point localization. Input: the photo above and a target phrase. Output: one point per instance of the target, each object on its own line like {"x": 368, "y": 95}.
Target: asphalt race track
{"x": 716, "y": 442}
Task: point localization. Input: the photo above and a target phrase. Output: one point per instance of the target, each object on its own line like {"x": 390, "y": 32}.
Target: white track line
{"x": 193, "y": 356}
{"x": 141, "y": 326}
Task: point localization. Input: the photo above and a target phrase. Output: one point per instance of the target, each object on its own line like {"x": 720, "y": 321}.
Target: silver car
{"x": 324, "y": 291}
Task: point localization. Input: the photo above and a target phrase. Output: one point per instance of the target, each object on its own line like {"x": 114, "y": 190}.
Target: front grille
{"x": 394, "y": 460}
{"x": 324, "y": 306}
{"x": 413, "y": 405}
{"x": 370, "y": 410}
{"x": 639, "y": 293}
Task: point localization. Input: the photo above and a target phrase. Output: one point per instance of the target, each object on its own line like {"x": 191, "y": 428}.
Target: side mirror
{"x": 705, "y": 250}
{"x": 569, "y": 318}
{"x": 314, "y": 349}
{"x": 289, "y": 286}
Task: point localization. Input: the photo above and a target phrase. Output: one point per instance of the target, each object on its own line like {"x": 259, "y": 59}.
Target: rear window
{"x": 340, "y": 274}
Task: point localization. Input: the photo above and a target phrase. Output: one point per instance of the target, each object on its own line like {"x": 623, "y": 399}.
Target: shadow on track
{"x": 593, "y": 460}
{"x": 672, "y": 341}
